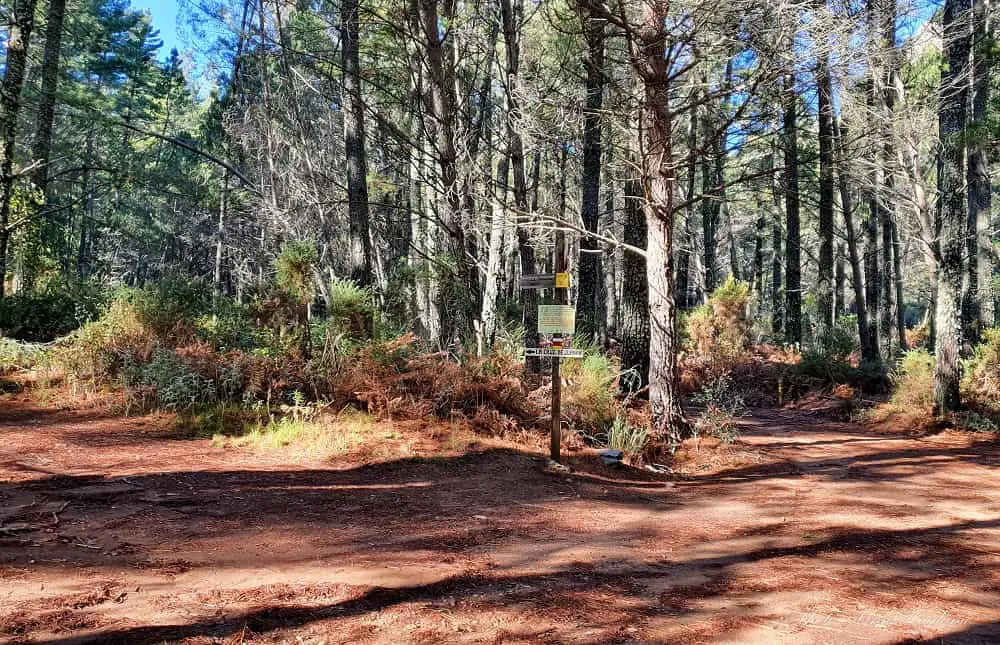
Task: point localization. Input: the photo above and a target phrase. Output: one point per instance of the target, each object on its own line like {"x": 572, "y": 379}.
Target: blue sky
{"x": 164, "y": 14}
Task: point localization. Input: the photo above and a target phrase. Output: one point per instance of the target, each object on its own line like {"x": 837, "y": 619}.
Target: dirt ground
{"x": 114, "y": 533}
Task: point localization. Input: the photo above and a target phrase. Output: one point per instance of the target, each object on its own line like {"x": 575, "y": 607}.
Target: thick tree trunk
{"x": 952, "y": 203}
{"x": 22, "y": 20}
{"x": 825, "y": 283}
{"x": 590, "y": 272}
{"x": 354, "y": 148}
{"x": 659, "y": 175}
{"x": 793, "y": 265}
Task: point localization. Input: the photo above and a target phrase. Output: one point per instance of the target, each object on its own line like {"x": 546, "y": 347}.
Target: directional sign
{"x": 553, "y": 352}
{"x": 539, "y": 281}
{"x": 556, "y": 319}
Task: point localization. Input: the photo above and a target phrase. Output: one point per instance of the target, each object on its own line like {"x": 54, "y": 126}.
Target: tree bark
{"x": 869, "y": 347}
{"x": 511, "y": 12}
{"x": 358, "y": 213}
{"x": 979, "y": 297}
{"x": 825, "y": 283}
{"x": 952, "y": 203}
{"x": 793, "y": 267}
{"x": 22, "y": 20}
{"x": 658, "y": 175}
{"x": 634, "y": 311}
{"x": 590, "y": 270}
{"x": 458, "y": 301}
{"x": 43, "y": 135}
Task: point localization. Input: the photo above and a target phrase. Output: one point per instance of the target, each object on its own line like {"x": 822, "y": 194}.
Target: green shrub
{"x": 45, "y": 316}
{"x": 171, "y": 308}
{"x": 721, "y": 328}
{"x": 723, "y": 403}
{"x": 172, "y": 382}
{"x": 228, "y": 326}
{"x": 15, "y": 355}
{"x": 913, "y": 382}
{"x": 621, "y": 435}
{"x": 351, "y": 309}
{"x": 981, "y": 384}
{"x": 589, "y": 394}
{"x": 294, "y": 269}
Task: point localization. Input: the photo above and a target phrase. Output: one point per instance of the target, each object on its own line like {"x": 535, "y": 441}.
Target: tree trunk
{"x": 511, "y": 15}
{"x": 825, "y": 283}
{"x": 686, "y": 248}
{"x": 793, "y": 267}
{"x": 634, "y": 318}
{"x": 457, "y": 301}
{"x": 658, "y": 174}
{"x": 219, "y": 234}
{"x": 979, "y": 302}
{"x": 43, "y": 139}
{"x": 590, "y": 273}
{"x": 869, "y": 348}
{"x": 354, "y": 148}
{"x": 777, "y": 301}
{"x": 22, "y": 20}
{"x": 952, "y": 203}
{"x": 897, "y": 272}
{"x": 711, "y": 203}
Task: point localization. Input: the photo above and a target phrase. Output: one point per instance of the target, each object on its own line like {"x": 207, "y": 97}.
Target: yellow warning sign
{"x": 562, "y": 281}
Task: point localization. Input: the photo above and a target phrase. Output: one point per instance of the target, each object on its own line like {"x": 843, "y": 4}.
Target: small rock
{"x": 611, "y": 457}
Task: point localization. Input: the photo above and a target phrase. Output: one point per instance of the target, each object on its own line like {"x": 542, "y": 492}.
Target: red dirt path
{"x": 111, "y": 533}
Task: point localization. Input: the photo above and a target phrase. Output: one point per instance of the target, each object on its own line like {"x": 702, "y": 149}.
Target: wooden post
{"x": 561, "y": 298}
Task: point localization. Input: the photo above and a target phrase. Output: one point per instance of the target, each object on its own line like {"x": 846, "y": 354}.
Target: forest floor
{"x": 812, "y": 531}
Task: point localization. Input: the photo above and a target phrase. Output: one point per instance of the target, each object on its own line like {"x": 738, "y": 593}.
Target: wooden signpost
{"x": 559, "y": 321}
{"x": 561, "y": 298}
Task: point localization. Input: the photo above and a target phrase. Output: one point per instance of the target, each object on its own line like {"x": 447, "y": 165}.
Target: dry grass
{"x": 323, "y": 436}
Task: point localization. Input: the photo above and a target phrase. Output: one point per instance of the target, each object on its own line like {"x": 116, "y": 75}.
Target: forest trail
{"x": 113, "y": 533}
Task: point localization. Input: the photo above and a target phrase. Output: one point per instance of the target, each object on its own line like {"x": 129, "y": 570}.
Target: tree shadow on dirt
{"x": 980, "y": 634}
{"x": 628, "y": 584}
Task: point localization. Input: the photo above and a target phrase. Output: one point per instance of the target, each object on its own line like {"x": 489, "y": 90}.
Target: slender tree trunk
{"x": 354, "y": 148}
{"x": 659, "y": 175}
{"x": 793, "y": 267}
{"x": 839, "y": 285}
{"x": 760, "y": 228}
{"x": 22, "y": 20}
{"x": 686, "y": 247}
{"x": 710, "y": 207}
{"x": 979, "y": 299}
{"x": 952, "y": 203}
{"x": 777, "y": 236}
{"x": 590, "y": 280}
{"x": 220, "y": 234}
{"x": 634, "y": 310}
{"x": 825, "y": 284}
{"x": 869, "y": 347}
{"x": 511, "y": 14}
{"x": 458, "y": 300}
{"x": 897, "y": 272}
{"x": 43, "y": 139}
